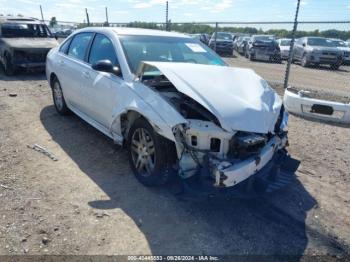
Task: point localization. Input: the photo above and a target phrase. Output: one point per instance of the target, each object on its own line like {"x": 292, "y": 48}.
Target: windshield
{"x": 320, "y": 42}
{"x": 339, "y": 43}
{"x": 285, "y": 42}
{"x": 223, "y": 36}
{"x": 24, "y": 30}
{"x": 167, "y": 49}
{"x": 264, "y": 38}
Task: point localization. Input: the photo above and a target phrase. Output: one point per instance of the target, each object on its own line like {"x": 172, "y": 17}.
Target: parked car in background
{"x": 176, "y": 113}
{"x": 284, "y": 44}
{"x": 24, "y": 43}
{"x": 263, "y": 47}
{"x": 63, "y": 33}
{"x": 204, "y": 38}
{"x": 345, "y": 48}
{"x": 317, "y": 51}
{"x": 224, "y": 43}
{"x": 242, "y": 44}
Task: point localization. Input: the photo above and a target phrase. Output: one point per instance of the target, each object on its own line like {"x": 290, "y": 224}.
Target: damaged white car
{"x": 176, "y": 105}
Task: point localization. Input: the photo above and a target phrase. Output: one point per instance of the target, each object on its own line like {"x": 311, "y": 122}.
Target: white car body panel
{"x": 301, "y": 105}
{"x": 239, "y": 98}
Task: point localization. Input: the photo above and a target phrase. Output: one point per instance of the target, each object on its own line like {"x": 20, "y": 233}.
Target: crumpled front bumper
{"x": 271, "y": 171}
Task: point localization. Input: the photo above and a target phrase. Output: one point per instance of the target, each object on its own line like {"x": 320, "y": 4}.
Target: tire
{"x": 251, "y": 57}
{"x": 304, "y": 62}
{"x": 58, "y": 98}
{"x": 335, "y": 66}
{"x": 151, "y": 156}
{"x": 9, "y": 68}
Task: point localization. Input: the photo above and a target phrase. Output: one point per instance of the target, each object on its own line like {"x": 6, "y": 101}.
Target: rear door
{"x": 72, "y": 66}
{"x": 105, "y": 88}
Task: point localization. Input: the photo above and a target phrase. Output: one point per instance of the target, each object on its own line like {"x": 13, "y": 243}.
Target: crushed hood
{"x": 238, "y": 97}
{"x": 30, "y": 43}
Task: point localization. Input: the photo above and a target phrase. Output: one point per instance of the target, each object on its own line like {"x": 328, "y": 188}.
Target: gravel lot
{"x": 88, "y": 202}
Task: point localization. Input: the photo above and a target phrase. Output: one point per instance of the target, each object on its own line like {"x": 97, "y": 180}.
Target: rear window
{"x": 24, "y": 30}
{"x": 79, "y": 45}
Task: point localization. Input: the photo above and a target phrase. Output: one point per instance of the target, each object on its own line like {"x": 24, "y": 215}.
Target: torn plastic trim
{"x": 299, "y": 104}
{"x": 222, "y": 170}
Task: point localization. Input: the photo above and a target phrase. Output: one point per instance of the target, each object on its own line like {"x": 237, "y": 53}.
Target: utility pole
{"x": 42, "y": 15}
{"x": 290, "y": 58}
{"x": 87, "y": 17}
{"x": 107, "y": 16}
{"x": 167, "y": 16}
{"x": 216, "y": 35}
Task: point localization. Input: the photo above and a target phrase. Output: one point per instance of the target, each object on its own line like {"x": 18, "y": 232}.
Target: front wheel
{"x": 335, "y": 66}
{"x": 304, "y": 62}
{"x": 151, "y": 156}
{"x": 9, "y": 68}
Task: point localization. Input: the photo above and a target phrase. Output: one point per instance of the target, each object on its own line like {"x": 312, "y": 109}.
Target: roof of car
{"x": 134, "y": 31}
{"x": 18, "y": 19}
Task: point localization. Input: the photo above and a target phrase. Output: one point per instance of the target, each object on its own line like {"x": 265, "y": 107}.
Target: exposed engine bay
{"x": 205, "y": 148}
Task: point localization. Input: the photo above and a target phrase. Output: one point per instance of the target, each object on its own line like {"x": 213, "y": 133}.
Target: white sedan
{"x": 176, "y": 105}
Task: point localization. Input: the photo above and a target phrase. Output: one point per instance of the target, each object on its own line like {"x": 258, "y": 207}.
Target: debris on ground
{"x": 6, "y": 187}
{"x": 12, "y": 94}
{"x": 44, "y": 151}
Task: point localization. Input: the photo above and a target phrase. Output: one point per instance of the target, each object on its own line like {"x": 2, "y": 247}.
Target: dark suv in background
{"x": 263, "y": 47}
{"x": 224, "y": 43}
{"x": 317, "y": 51}
{"x": 24, "y": 42}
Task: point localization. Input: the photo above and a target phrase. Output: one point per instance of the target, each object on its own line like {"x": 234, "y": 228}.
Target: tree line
{"x": 201, "y": 28}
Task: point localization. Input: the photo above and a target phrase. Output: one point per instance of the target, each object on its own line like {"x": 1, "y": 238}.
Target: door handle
{"x": 86, "y": 75}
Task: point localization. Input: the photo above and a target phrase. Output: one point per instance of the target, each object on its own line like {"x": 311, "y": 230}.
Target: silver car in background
{"x": 344, "y": 47}
{"x": 284, "y": 44}
{"x": 317, "y": 51}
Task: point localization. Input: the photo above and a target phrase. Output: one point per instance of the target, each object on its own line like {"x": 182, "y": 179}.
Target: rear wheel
{"x": 9, "y": 68}
{"x": 58, "y": 99}
{"x": 151, "y": 156}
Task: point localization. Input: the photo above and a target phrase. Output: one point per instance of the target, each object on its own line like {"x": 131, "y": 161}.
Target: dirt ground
{"x": 88, "y": 202}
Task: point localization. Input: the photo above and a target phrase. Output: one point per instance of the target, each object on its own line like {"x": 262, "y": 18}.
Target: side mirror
{"x": 106, "y": 66}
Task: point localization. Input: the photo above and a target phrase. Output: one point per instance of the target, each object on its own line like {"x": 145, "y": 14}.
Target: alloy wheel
{"x": 143, "y": 152}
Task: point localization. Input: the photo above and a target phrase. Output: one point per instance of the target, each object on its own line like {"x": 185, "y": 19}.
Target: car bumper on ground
{"x": 299, "y": 103}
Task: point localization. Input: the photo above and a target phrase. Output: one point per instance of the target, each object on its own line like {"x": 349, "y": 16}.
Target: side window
{"x": 65, "y": 46}
{"x": 79, "y": 45}
{"x": 102, "y": 49}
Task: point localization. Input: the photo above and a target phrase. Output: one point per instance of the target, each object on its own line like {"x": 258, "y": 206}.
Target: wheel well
{"x": 52, "y": 78}
{"x": 126, "y": 121}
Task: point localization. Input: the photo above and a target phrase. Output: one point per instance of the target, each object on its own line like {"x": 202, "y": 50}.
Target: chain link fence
{"x": 320, "y": 59}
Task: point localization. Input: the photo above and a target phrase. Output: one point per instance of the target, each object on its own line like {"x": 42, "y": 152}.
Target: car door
{"x": 102, "y": 93}
{"x": 72, "y": 65}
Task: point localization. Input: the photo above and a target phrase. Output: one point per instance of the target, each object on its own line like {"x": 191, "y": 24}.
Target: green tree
{"x": 53, "y": 22}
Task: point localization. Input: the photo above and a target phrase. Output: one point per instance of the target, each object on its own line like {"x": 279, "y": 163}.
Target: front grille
{"x": 329, "y": 53}
{"x": 30, "y": 57}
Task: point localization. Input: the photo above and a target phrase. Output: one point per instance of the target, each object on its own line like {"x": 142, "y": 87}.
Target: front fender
{"x": 149, "y": 104}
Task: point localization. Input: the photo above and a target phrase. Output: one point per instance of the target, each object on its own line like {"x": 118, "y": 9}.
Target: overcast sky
{"x": 180, "y": 10}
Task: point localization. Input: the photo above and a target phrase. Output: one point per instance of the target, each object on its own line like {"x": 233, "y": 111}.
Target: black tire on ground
{"x": 9, "y": 68}
{"x": 151, "y": 156}
{"x": 58, "y": 98}
{"x": 251, "y": 57}
{"x": 335, "y": 66}
{"x": 304, "y": 62}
